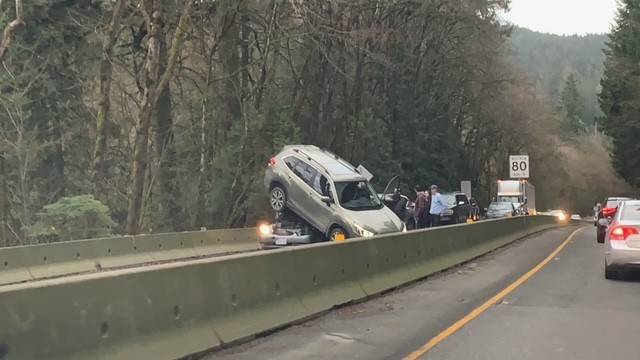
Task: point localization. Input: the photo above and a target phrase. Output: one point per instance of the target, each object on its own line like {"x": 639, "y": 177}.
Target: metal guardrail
{"x": 34, "y": 262}
{"x": 172, "y": 310}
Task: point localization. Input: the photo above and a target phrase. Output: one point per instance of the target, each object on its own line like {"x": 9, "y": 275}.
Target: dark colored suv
{"x": 458, "y": 208}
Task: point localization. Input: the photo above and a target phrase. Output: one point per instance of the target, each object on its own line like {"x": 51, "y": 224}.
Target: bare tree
{"x": 11, "y": 29}
{"x": 154, "y": 83}
{"x": 99, "y": 166}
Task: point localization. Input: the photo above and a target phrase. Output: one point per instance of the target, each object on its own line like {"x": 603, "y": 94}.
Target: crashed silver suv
{"x": 327, "y": 192}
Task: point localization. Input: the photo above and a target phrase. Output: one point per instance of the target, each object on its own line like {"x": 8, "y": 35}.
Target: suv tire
{"x": 278, "y": 198}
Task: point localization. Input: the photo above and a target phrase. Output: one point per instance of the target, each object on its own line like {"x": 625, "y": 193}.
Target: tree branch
{"x": 10, "y": 30}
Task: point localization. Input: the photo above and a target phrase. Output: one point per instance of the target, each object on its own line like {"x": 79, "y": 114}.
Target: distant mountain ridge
{"x": 548, "y": 60}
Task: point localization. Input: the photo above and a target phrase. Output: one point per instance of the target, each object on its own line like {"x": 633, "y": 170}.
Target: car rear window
{"x": 449, "y": 199}
{"x": 612, "y": 203}
{"x": 462, "y": 198}
{"x": 501, "y": 206}
{"x": 630, "y": 212}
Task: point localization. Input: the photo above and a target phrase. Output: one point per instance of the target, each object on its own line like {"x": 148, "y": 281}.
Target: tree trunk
{"x": 57, "y": 179}
{"x": 154, "y": 84}
{"x": 103, "y": 119}
{"x": 204, "y": 176}
{"x": 4, "y": 203}
{"x": 166, "y": 153}
{"x": 9, "y": 31}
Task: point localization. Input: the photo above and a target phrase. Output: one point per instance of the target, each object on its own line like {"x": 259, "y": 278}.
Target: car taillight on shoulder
{"x": 272, "y": 161}
{"x": 608, "y": 212}
{"x": 622, "y": 232}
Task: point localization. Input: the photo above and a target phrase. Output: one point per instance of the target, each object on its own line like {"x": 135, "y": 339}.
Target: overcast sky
{"x": 563, "y": 17}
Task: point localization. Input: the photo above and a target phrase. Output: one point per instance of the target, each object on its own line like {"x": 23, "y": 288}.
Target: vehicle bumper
{"x": 447, "y": 219}
{"x": 622, "y": 256}
{"x": 275, "y": 241}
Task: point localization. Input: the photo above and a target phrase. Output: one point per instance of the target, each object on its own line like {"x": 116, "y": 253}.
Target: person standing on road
{"x": 422, "y": 207}
{"x": 437, "y": 206}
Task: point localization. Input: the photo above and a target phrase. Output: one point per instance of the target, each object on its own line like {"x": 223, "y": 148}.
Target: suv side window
{"x": 321, "y": 185}
{"x": 299, "y": 168}
{"x": 291, "y": 163}
{"x": 306, "y": 173}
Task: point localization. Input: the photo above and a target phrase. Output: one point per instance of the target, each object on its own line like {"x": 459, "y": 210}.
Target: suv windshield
{"x": 500, "y": 206}
{"x": 357, "y": 195}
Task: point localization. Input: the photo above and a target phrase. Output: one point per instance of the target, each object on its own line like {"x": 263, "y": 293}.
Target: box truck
{"x": 519, "y": 192}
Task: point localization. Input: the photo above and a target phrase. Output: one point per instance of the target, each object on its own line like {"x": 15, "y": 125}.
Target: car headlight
{"x": 265, "y": 229}
{"x": 447, "y": 212}
{"x": 362, "y": 232}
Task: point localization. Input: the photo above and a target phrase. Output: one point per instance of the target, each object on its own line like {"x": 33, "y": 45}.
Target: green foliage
{"x": 620, "y": 96}
{"x": 571, "y": 106}
{"x": 72, "y": 218}
{"x": 550, "y": 59}
{"x": 421, "y": 89}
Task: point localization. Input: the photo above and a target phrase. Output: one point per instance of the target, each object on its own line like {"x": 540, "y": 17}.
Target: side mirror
{"x": 326, "y": 199}
{"x": 603, "y": 222}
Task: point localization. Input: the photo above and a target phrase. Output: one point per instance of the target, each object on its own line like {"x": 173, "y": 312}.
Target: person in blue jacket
{"x": 438, "y": 206}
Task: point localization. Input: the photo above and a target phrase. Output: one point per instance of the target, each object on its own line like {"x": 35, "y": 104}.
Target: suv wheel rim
{"x": 277, "y": 199}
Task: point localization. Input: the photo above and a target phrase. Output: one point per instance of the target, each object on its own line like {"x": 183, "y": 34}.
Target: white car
{"x": 622, "y": 239}
{"x": 576, "y": 217}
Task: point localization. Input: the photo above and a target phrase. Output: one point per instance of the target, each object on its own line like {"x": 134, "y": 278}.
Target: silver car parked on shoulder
{"x": 327, "y": 192}
{"x": 622, "y": 239}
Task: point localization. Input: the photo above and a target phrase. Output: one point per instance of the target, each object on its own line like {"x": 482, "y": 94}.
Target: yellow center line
{"x": 484, "y": 307}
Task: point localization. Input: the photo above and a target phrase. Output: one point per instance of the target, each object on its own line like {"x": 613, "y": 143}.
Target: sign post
{"x": 465, "y": 187}
{"x": 519, "y": 166}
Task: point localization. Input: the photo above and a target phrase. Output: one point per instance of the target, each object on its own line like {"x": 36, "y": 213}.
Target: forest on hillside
{"x": 549, "y": 60}
{"x": 160, "y": 115}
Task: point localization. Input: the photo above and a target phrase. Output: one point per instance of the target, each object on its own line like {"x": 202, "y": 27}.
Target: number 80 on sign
{"x": 519, "y": 166}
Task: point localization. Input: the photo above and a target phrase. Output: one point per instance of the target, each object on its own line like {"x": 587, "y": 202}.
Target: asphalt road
{"x": 566, "y": 311}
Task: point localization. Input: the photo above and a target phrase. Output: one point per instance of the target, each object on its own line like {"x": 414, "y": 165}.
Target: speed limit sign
{"x": 519, "y": 166}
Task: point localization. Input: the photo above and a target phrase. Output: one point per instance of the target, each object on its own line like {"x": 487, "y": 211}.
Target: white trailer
{"x": 519, "y": 192}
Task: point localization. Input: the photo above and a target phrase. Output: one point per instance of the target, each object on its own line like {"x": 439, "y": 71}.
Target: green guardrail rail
{"x": 172, "y": 310}
{"x": 34, "y": 262}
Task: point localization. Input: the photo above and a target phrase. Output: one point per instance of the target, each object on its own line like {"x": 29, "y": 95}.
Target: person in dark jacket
{"x": 423, "y": 204}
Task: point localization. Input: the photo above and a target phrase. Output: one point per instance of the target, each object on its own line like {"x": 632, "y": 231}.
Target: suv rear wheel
{"x": 278, "y": 198}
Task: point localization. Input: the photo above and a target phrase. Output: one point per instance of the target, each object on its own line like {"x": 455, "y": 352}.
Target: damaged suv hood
{"x": 379, "y": 221}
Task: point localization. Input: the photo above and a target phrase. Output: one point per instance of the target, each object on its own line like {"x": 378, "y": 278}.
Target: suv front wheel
{"x": 278, "y": 198}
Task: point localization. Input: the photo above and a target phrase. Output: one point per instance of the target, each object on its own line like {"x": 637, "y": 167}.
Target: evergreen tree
{"x": 620, "y": 96}
{"x": 571, "y": 104}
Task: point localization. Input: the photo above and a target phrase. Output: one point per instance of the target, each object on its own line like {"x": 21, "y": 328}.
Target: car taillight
{"x": 622, "y": 232}
{"x": 272, "y": 161}
{"x": 608, "y": 212}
